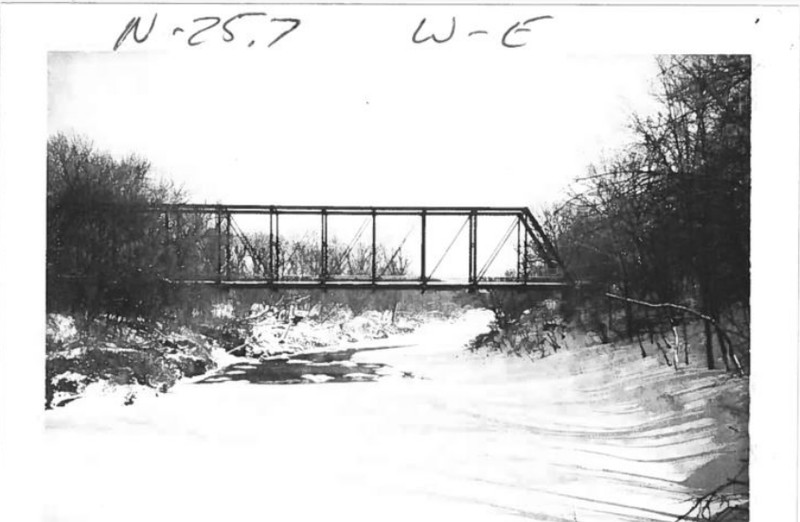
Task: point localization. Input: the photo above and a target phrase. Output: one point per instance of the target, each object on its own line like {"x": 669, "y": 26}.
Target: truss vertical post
{"x": 374, "y": 248}
{"x": 219, "y": 243}
{"x": 277, "y": 260}
{"x": 469, "y": 252}
{"x": 324, "y": 247}
{"x": 519, "y": 248}
{"x": 423, "y": 269}
{"x": 228, "y": 245}
{"x": 473, "y": 254}
{"x": 271, "y": 246}
{"x": 475, "y": 247}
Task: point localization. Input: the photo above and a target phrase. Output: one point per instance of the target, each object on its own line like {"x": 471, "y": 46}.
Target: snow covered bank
{"x": 124, "y": 362}
{"x": 596, "y": 434}
{"x": 118, "y": 360}
{"x": 269, "y": 332}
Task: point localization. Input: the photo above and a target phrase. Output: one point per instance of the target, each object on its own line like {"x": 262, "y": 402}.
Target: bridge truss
{"x": 238, "y": 259}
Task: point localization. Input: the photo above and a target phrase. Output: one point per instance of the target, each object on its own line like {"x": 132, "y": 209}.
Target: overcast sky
{"x": 489, "y": 128}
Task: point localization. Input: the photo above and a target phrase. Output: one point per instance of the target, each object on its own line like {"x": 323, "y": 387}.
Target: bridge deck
{"x": 381, "y": 285}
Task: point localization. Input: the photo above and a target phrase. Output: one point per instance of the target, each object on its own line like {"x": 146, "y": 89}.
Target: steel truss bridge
{"x": 268, "y": 255}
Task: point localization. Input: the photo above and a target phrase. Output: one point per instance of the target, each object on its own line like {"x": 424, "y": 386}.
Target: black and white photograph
{"x": 399, "y": 262}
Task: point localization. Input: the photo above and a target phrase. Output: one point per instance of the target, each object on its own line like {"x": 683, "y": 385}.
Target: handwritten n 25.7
{"x": 198, "y": 31}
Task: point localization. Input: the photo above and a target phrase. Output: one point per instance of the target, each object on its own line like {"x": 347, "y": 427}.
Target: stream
{"x": 414, "y": 428}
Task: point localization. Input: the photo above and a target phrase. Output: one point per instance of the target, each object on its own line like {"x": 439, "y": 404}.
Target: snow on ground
{"x": 574, "y": 437}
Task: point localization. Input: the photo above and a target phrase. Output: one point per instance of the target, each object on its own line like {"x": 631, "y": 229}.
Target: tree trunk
{"x": 629, "y": 319}
{"x": 723, "y": 348}
{"x": 641, "y": 346}
{"x": 709, "y": 346}
{"x": 685, "y": 342}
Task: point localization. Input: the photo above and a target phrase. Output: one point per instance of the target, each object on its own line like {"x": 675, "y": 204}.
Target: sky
{"x": 483, "y": 129}
{"x": 488, "y": 128}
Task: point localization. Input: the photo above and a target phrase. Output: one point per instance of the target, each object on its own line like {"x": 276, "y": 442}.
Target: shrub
{"x": 104, "y": 254}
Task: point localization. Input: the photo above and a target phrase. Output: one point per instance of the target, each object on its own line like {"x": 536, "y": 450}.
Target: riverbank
{"x": 122, "y": 362}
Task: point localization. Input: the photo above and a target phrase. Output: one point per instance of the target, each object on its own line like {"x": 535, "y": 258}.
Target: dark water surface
{"x": 335, "y": 366}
